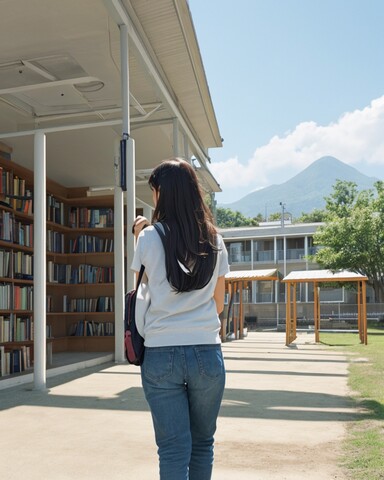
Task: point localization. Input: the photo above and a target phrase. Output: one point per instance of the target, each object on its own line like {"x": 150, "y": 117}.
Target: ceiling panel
{"x": 44, "y": 41}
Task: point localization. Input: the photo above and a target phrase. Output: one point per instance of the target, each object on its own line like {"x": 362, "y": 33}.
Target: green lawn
{"x": 364, "y": 445}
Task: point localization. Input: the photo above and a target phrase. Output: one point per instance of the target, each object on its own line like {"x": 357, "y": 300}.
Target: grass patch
{"x": 364, "y": 445}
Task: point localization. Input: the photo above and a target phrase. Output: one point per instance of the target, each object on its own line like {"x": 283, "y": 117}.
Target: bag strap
{"x": 140, "y": 276}
{"x": 159, "y": 230}
{"x": 141, "y": 273}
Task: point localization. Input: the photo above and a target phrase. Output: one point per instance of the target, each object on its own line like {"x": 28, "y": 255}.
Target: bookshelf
{"x": 80, "y": 269}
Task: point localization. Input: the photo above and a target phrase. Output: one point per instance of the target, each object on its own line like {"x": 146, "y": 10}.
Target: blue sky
{"x": 291, "y": 81}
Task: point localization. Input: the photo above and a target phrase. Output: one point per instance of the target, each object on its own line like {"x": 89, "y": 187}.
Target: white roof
{"x": 266, "y": 274}
{"x": 60, "y": 66}
{"x": 323, "y": 276}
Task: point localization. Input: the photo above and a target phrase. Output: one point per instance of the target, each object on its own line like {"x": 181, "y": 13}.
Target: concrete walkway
{"x": 283, "y": 417}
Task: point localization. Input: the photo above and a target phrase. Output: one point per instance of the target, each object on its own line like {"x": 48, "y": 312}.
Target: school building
{"x": 286, "y": 248}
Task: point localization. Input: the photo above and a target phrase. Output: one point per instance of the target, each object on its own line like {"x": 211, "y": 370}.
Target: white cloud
{"x": 356, "y": 138}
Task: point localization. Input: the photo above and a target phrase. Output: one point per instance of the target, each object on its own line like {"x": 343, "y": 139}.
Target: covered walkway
{"x": 283, "y": 417}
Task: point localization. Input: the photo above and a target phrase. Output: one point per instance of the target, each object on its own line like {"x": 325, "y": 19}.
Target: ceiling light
{"x": 94, "y": 86}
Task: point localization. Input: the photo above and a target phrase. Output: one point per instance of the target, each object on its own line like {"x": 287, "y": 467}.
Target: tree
{"x": 353, "y": 235}
{"x": 316, "y": 216}
{"x": 227, "y": 218}
{"x": 273, "y": 217}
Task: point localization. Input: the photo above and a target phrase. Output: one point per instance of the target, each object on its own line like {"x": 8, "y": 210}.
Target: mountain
{"x": 303, "y": 192}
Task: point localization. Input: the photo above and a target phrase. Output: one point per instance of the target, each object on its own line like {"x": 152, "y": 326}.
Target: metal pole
{"x": 119, "y": 259}
{"x": 130, "y": 167}
{"x": 282, "y": 213}
{"x": 39, "y": 259}
{"x": 131, "y": 210}
{"x": 124, "y": 58}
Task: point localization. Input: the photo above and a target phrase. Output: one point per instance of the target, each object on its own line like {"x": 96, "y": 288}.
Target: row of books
{"x": 21, "y": 204}
{"x": 15, "y": 361}
{"x": 83, "y": 217}
{"x": 12, "y": 230}
{"x": 79, "y": 217}
{"x": 55, "y": 210}
{"x": 15, "y": 329}
{"x": 99, "y": 304}
{"x": 5, "y": 296}
{"x": 16, "y": 265}
{"x": 92, "y": 329}
{"x": 15, "y": 297}
{"x": 49, "y": 303}
{"x": 22, "y": 265}
{"x": 55, "y": 242}
{"x": 5, "y": 263}
{"x": 81, "y": 244}
{"x": 22, "y": 298}
{"x": 11, "y": 184}
{"x": 90, "y": 244}
{"x": 72, "y": 274}
{"x": 6, "y": 181}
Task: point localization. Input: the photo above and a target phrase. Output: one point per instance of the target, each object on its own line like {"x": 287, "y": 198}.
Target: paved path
{"x": 283, "y": 417}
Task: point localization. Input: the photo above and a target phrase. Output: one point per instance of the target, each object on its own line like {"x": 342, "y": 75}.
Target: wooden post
{"x": 288, "y": 314}
{"x": 241, "y": 311}
{"x": 359, "y": 318}
{"x": 364, "y": 311}
{"x": 316, "y": 312}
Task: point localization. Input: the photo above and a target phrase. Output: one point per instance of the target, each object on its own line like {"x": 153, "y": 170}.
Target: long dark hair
{"x": 190, "y": 235}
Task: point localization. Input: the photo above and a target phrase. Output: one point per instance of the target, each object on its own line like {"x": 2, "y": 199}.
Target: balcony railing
{"x": 244, "y": 257}
{"x": 268, "y": 255}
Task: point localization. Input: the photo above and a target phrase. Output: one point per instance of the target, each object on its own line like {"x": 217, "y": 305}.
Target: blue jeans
{"x": 184, "y": 387}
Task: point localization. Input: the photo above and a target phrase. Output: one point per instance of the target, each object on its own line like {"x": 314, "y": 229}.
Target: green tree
{"x": 227, "y": 218}
{"x": 317, "y": 215}
{"x": 273, "y": 217}
{"x": 353, "y": 235}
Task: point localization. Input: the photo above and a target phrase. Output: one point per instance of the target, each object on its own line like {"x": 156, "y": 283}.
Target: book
{"x": 2, "y": 361}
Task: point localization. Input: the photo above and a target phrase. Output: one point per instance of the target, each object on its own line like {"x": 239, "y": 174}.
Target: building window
{"x": 239, "y": 252}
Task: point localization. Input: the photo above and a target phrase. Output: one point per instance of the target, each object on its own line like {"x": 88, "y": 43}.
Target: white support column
{"x": 131, "y": 211}
{"x": 275, "y": 256}
{"x": 39, "y": 261}
{"x": 130, "y": 156}
{"x": 175, "y": 137}
{"x": 186, "y": 147}
{"x": 119, "y": 259}
{"x": 124, "y": 58}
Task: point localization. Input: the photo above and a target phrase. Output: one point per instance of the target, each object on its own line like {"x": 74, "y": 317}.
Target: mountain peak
{"x": 305, "y": 191}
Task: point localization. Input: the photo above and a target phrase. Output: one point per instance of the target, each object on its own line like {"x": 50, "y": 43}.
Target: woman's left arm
{"x": 218, "y": 295}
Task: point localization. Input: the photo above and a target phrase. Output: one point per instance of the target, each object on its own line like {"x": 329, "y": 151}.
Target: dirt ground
{"x": 283, "y": 417}
{"x": 285, "y": 410}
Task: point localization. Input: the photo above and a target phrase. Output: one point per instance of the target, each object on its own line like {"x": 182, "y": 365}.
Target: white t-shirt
{"x": 186, "y": 318}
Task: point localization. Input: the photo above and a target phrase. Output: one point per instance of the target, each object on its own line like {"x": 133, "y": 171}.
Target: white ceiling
{"x": 60, "y": 65}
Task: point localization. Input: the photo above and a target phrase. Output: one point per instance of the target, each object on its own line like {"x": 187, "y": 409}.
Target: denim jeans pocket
{"x": 158, "y": 363}
{"x": 210, "y": 360}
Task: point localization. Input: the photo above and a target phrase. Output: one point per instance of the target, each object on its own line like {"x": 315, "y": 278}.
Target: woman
{"x": 183, "y": 372}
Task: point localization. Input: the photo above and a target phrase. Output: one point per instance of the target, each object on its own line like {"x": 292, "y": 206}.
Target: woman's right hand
{"x": 139, "y": 224}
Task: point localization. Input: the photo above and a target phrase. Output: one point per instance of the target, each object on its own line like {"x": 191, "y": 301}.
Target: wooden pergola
{"x": 317, "y": 277}
{"x": 234, "y": 281}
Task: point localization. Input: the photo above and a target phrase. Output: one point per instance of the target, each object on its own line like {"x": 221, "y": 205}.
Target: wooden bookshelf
{"x": 68, "y": 230}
